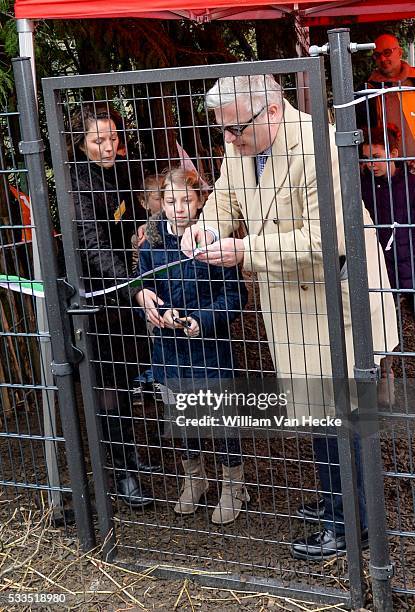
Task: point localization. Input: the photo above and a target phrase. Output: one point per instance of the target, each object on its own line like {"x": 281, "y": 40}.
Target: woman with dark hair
{"x": 388, "y": 192}
{"x": 106, "y": 218}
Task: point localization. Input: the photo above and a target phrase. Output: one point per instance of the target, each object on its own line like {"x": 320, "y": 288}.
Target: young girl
{"x": 389, "y": 195}
{"x": 192, "y": 308}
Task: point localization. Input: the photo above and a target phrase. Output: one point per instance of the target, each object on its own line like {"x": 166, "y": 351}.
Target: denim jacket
{"x": 213, "y": 295}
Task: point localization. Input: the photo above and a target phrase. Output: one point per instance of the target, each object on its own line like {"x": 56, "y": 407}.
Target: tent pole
{"x": 411, "y": 54}
{"x": 25, "y": 28}
{"x": 302, "y": 46}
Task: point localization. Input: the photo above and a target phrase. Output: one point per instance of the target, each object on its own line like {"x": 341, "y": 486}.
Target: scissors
{"x": 183, "y": 323}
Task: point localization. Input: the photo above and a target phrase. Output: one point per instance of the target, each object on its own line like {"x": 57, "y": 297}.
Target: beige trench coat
{"x": 283, "y": 247}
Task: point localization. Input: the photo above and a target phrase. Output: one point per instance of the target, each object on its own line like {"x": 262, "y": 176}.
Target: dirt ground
{"x": 37, "y": 558}
{"x": 280, "y": 474}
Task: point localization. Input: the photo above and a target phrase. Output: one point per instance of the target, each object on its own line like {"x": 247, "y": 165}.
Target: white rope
{"x": 367, "y": 94}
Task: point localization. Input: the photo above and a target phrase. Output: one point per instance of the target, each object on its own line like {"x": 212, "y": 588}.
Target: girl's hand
{"x": 194, "y": 330}
{"x": 169, "y": 317}
{"x": 149, "y": 301}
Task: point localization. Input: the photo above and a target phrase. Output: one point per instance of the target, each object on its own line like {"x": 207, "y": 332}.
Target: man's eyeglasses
{"x": 238, "y": 130}
{"x": 386, "y": 52}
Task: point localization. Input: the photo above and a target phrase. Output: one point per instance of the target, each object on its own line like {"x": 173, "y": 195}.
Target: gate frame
{"x": 314, "y": 66}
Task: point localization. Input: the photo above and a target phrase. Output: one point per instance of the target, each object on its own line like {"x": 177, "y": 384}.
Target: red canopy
{"x": 313, "y": 13}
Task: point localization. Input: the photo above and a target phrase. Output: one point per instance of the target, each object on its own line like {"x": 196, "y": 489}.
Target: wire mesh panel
{"x": 388, "y": 188}
{"x": 201, "y": 216}
{"x": 32, "y": 465}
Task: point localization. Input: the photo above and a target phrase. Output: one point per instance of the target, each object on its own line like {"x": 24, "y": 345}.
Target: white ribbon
{"x": 391, "y": 239}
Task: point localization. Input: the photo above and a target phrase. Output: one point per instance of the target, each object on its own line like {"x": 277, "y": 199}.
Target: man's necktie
{"x": 261, "y": 159}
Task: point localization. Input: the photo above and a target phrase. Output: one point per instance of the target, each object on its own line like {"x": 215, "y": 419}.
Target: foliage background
{"x": 92, "y": 45}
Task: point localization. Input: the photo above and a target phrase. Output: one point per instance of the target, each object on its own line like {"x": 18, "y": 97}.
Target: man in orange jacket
{"x": 397, "y": 108}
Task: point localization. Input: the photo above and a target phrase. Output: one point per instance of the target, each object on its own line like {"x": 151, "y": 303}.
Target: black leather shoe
{"x": 322, "y": 545}
{"x": 313, "y": 510}
{"x": 149, "y": 468}
{"x": 135, "y": 463}
{"x": 131, "y": 493}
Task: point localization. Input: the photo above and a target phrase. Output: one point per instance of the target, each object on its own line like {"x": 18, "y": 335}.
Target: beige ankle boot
{"x": 234, "y": 494}
{"x": 194, "y": 486}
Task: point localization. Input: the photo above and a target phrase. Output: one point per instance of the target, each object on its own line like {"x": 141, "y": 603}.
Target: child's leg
{"x": 229, "y": 451}
{"x": 195, "y": 483}
{"x": 191, "y": 447}
{"x": 234, "y": 492}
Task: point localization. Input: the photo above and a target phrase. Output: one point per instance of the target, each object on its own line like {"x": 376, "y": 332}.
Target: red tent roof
{"x": 313, "y": 13}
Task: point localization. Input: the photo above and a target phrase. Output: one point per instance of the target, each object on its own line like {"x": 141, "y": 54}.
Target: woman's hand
{"x": 141, "y": 234}
{"x": 137, "y": 240}
{"x": 148, "y": 300}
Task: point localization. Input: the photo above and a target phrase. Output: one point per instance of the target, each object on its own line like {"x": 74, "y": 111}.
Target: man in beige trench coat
{"x": 268, "y": 183}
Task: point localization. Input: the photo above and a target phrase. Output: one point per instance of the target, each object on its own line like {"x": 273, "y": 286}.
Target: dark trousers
{"x": 228, "y": 449}
{"x": 326, "y": 452}
{"x": 119, "y": 338}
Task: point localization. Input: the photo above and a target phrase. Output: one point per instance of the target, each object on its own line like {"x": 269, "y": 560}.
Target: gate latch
{"x": 349, "y": 139}
{"x": 76, "y": 310}
{"x": 74, "y": 354}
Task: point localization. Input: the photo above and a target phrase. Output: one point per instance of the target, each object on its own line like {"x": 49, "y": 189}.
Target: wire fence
{"x": 33, "y": 466}
{"x": 213, "y": 372}
{"x": 388, "y": 182}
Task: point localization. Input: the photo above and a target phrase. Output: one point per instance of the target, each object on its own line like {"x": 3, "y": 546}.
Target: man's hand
{"x": 194, "y": 330}
{"x": 148, "y": 300}
{"x": 228, "y": 252}
{"x": 195, "y": 237}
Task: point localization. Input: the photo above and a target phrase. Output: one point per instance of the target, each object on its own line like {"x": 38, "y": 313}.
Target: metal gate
{"x": 124, "y": 428}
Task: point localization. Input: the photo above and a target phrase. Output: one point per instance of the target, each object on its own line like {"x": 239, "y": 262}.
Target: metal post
{"x": 365, "y": 370}
{"x": 25, "y": 28}
{"x": 32, "y": 147}
{"x": 411, "y": 53}
{"x": 336, "y": 333}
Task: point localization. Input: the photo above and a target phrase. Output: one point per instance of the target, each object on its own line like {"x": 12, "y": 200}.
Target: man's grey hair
{"x": 254, "y": 91}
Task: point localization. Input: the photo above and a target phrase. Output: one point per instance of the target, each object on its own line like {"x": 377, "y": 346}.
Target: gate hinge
{"x": 61, "y": 369}
{"x": 29, "y": 147}
{"x": 382, "y": 573}
{"x": 315, "y": 50}
{"x": 349, "y": 139}
{"x": 367, "y": 374}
